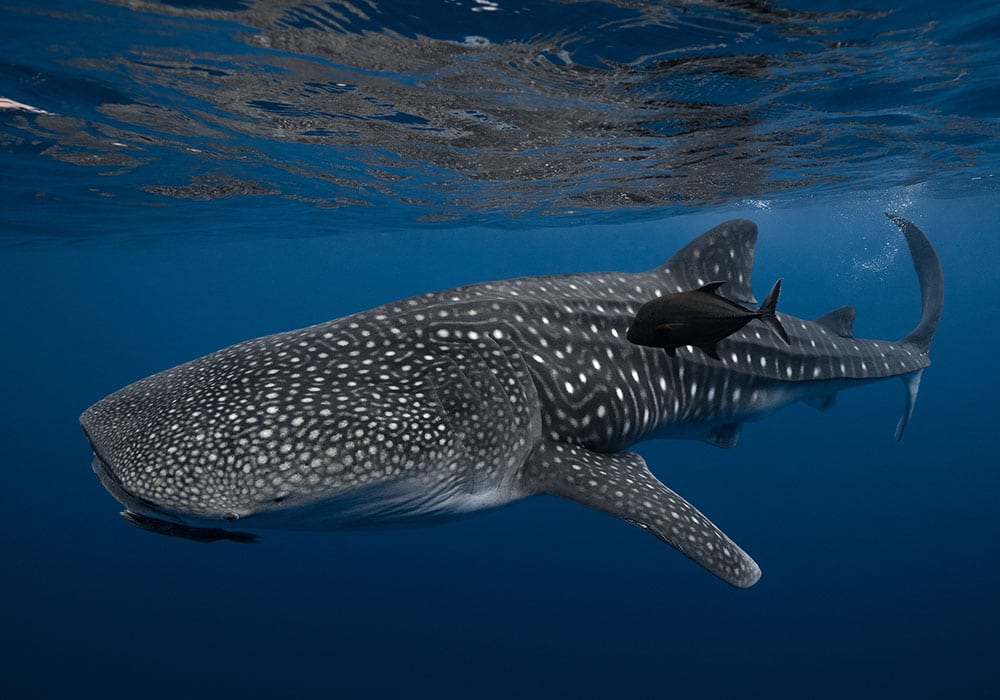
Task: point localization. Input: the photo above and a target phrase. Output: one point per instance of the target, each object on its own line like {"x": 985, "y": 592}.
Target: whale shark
{"x": 473, "y": 397}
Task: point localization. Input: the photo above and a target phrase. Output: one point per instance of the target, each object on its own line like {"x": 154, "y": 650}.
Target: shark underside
{"x": 473, "y": 397}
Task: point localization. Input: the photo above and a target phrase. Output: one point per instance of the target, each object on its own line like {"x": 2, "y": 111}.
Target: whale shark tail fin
{"x": 931, "y": 279}
{"x": 620, "y": 484}
{"x": 767, "y": 313}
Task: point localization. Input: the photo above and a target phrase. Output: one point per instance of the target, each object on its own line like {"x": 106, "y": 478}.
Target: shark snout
{"x": 110, "y": 479}
{"x": 100, "y": 464}
{"x": 134, "y": 466}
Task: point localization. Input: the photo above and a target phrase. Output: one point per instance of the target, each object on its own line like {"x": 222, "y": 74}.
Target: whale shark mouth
{"x": 133, "y": 503}
{"x": 147, "y": 516}
{"x": 110, "y": 481}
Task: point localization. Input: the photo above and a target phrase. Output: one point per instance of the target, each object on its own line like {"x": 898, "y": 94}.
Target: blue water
{"x": 183, "y": 175}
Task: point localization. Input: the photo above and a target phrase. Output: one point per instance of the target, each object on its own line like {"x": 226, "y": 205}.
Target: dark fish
{"x": 700, "y": 318}
{"x": 187, "y": 532}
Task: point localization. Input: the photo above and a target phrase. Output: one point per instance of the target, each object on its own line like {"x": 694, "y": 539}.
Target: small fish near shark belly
{"x": 476, "y": 396}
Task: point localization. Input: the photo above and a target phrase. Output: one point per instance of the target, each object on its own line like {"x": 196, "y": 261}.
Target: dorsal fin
{"x": 711, "y": 287}
{"x": 724, "y": 252}
{"x": 840, "y": 321}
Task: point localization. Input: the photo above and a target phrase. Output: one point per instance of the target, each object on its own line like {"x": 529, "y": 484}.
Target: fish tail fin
{"x": 767, "y": 313}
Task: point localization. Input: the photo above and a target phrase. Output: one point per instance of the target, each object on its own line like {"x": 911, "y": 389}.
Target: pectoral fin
{"x": 663, "y": 327}
{"x": 621, "y": 485}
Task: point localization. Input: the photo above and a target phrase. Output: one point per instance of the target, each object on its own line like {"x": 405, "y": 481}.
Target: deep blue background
{"x": 880, "y": 561}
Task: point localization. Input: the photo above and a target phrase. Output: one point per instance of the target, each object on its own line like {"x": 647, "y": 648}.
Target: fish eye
{"x": 230, "y": 516}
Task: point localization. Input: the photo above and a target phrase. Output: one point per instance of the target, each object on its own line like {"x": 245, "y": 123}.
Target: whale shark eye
{"x": 279, "y": 499}
{"x": 230, "y": 516}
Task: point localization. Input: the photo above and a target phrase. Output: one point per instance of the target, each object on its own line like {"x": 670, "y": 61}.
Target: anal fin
{"x": 620, "y": 484}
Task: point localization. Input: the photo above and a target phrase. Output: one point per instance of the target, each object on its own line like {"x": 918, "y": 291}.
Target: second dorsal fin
{"x": 840, "y": 321}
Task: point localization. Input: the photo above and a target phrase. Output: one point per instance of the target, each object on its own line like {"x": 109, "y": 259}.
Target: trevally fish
{"x": 699, "y": 318}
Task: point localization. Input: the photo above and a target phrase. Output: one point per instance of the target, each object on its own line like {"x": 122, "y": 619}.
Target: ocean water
{"x": 182, "y": 175}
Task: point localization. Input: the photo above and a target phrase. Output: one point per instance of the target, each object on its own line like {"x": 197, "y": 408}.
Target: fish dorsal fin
{"x": 840, "y": 321}
{"x": 724, "y": 252}
{"x": 711, "y": 287}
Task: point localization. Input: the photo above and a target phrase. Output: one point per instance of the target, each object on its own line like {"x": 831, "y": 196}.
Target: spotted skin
{"x": 472, "y": 397}
{"x": 615, "y": 483}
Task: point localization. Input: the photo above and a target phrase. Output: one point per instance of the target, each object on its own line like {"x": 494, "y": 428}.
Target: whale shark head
{"x": 321, "y": 418}
{"x": 227, "y": 438}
